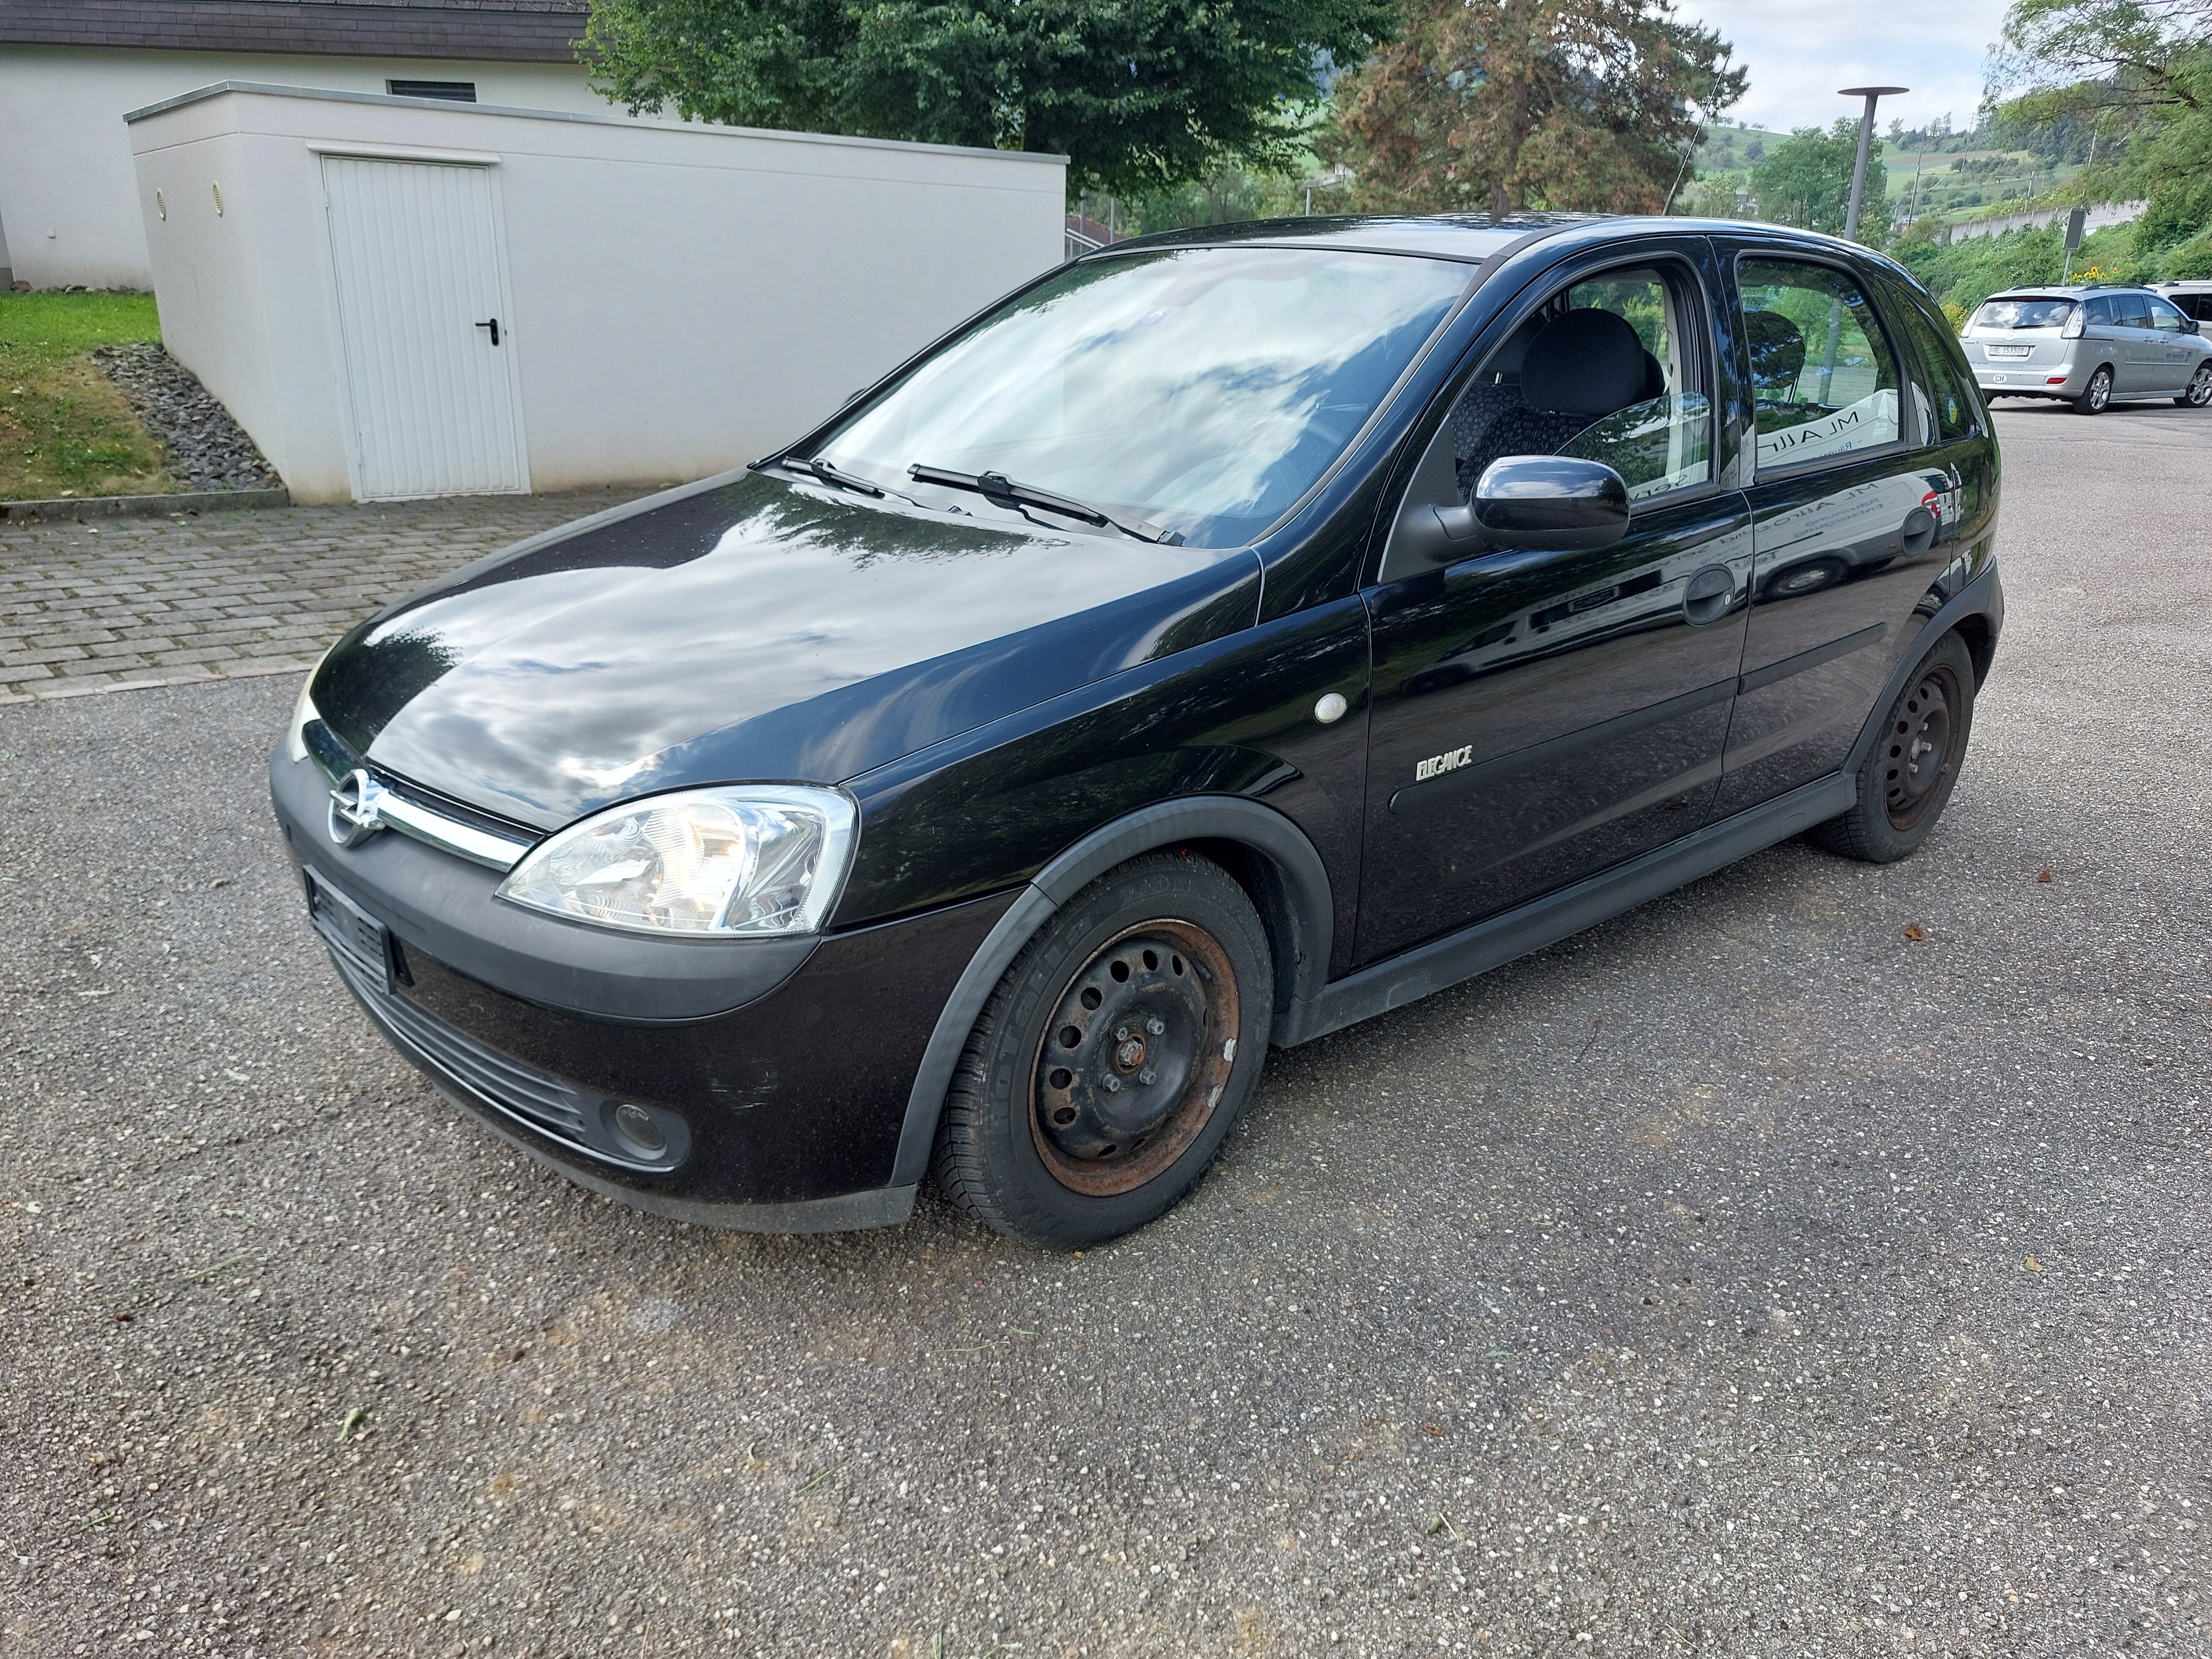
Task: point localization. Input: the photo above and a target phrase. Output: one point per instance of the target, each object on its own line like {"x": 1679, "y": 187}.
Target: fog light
{"x": 639, "y": 1133}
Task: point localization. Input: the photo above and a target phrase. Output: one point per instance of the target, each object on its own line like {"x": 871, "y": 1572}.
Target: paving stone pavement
{"x": 86, "y": 608}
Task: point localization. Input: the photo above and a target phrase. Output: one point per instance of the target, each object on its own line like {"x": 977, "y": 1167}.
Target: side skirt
{"x": 1491, "y": 944}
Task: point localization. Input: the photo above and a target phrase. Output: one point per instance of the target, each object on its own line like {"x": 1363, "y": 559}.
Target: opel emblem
{"x": 354, "y": 808}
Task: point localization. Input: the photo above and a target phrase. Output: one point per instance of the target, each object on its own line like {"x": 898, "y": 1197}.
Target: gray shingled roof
{"x": 508, "y": 31}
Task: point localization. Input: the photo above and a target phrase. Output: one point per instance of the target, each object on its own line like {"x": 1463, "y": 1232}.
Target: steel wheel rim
{"x": 1921, "y": 746}
{"x": 1155, "y": 1009}
{"x": 2200, "y": 387}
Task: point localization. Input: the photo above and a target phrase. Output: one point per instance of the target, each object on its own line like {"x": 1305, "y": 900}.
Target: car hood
{"x": 750, "y": 628}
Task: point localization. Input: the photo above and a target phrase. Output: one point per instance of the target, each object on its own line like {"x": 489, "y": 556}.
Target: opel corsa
{"x": 1229, "y": 636}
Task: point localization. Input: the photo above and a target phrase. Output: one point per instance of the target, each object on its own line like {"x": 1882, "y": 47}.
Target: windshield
{"x": 2024, "y": 314}
{"x": 1203, "y": 390}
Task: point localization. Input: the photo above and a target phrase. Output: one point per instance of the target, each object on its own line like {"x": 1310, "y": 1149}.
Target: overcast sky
{"x": 1800, "y": 52}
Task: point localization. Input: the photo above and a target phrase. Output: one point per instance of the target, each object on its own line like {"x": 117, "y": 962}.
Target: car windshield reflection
{"x": 1202, "y": 390}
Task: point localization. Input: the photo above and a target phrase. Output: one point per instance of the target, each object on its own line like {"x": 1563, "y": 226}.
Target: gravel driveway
{"x": 1743, "y": 1276}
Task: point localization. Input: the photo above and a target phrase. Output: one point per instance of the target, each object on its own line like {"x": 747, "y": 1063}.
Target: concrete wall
{"x": 685, "y": 299}
{"x": 2106, "y": 213}
{"x": 66, "y": 193}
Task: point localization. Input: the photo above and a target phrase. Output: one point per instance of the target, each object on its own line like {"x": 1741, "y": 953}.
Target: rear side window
{"x": 1824, "y": 379}
{"x": 2103, "y": 312}
{"x": 1949, "y": 411}
{"x": 2134, "y": 310}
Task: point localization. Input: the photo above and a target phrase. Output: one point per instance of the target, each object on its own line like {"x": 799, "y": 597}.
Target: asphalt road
{"x": 1743, "y": 1276}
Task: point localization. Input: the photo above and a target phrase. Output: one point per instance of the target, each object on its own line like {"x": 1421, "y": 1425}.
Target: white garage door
{"x": 431, "y": 385}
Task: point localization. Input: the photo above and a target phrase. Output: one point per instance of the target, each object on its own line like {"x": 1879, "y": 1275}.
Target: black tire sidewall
{"x": 1030, "y": 1202}
{"x": 1882, "y": 840}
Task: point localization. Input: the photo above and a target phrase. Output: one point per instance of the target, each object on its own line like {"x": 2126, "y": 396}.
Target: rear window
{"x": 2023, "y": 314}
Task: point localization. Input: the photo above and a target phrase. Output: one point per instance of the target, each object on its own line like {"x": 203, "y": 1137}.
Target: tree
{"x": 2137, "y": 75}
{"x": 1805, "y": 180}
{"x": 1504, "y": 104}
{"x": 1137, "y": 94}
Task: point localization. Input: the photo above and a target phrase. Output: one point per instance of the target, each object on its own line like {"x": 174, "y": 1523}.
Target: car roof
{"x": 2061, "y": 291}
{"x": 1471, "y": 237}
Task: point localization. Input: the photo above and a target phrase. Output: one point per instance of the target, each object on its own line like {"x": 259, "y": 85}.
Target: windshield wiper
{"x": 830, "y": 475}
{"x": 999, "y": 490}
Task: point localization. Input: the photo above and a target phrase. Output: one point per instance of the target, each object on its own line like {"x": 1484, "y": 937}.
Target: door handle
{"x": 493, "y": 326}
{"x": 1919, "y": 532}
{"x": 1709, "y": 594}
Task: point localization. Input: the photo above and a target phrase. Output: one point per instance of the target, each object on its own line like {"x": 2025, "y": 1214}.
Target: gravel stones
{"x": 202, "y": 446}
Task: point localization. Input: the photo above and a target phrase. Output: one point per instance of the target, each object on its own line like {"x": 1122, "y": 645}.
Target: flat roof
{"x": 322, "y": 95}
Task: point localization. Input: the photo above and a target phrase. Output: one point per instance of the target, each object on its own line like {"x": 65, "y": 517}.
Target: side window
{"x": 1824, "y": 379}
{"x": 2134, "y": 309}
{"x": 1609, "y": 370}
{"x": 1950, "y": 412}
{"x": 2163, "y": 317}
{"x": 2102, "y": 312}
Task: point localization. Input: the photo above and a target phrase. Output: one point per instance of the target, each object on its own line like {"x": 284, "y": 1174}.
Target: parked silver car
{"x": 2087, "y": 346}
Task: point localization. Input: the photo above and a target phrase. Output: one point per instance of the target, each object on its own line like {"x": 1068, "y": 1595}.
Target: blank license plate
{"x": 350, "y": 930}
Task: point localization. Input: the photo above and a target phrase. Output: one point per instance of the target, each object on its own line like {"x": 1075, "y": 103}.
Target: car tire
{"x": 2096, "y": 396}
{"x": 1907, "y": 778}
{"x": 2199, "y": 392}
{"x": 1158, "y": 976}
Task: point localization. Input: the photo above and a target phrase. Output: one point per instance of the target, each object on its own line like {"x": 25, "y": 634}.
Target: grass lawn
{"x": 64, "y": 428}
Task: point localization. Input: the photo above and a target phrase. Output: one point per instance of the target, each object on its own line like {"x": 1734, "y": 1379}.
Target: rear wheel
{"x": 2200, "y": 387}
{"x": 1906, "y": 780}
{"x": 2095, "y": 395}
{"x": 1112, "y": 1059}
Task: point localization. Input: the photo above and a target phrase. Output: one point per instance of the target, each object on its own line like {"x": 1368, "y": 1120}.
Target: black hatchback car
{"x": 1228, "y": 636}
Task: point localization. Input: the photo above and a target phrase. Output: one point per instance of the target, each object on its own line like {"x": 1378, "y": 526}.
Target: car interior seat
{"x": 1581, "y": 367}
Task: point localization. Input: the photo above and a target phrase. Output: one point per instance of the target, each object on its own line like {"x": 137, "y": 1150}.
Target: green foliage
{"x": 1805, "y": 180}
{"x": 1967, "y": 273}
{"x": 64, "y": 429}
{"x": 2137, "y": 75}
{"x": 1594, "y": 106}
{"x": 1137, "y": 97}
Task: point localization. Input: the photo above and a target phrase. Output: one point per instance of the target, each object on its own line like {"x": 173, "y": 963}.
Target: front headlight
{"x": 296, "y": 739}
{"x": 742, "y": 861}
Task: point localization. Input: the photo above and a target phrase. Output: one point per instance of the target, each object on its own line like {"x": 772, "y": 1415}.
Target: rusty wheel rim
{"x": 1135, "y": 1058}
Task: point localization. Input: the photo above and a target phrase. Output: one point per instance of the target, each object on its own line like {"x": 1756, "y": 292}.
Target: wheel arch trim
{"x": 1308, "y": 909}
{"x": 1981, "y": 599}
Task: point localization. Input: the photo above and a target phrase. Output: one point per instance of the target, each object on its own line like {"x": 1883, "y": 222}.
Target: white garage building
{"x": 400, "y": 297}
{"x": 70, "y": 68}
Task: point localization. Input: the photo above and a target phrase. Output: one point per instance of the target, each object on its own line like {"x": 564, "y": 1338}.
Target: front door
{"x": 1538, "y": 715}
{"x": 2177, "y": 347}
{"x": 432, "y": 392}
{"x": 1845, "y": 511}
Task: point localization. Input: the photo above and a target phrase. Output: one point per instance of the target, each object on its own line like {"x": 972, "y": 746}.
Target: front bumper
{"x": 788, "y": 1063}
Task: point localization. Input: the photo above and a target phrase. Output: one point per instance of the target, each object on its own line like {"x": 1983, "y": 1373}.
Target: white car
{"x": 2090, "y": 347}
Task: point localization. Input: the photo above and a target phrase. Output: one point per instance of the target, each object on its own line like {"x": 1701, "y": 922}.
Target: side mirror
{"x": 1551, "y": 501}
{"x": 2191, "y": 325}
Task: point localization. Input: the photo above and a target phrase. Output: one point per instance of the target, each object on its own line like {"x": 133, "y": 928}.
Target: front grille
{"x": 542, "y": 1101}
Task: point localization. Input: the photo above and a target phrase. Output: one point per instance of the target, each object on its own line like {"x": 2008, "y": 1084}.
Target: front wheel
{"x": 1907, "y": 778}
{"x": 2200, "y": 387}
{"x": 1113, "y": 1057}
{"x": 2095, "y": 395}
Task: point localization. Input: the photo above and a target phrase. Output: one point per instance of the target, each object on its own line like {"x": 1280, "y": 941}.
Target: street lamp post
{"x": 1872, "y": 94}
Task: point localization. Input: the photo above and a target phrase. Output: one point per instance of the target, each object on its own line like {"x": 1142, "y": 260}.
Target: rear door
{"x": 2143, "y": 369}
{"x": 1538, "y": 715}
{"x": 1842, "y": 522}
